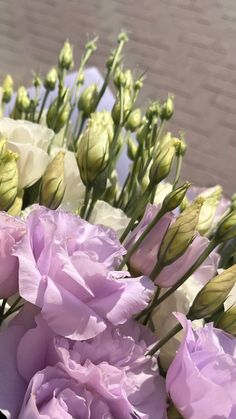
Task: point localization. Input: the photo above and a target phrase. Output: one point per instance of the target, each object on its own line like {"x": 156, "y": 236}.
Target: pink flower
{"x": 202, "y": 378}
{"x": 66, "y": 268}
{"x": 44, "y": 375}
{"x": 11, "y": 232}
{"x": 144, "y": 259}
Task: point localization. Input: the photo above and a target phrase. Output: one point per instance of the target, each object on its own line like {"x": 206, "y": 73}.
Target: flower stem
{"x": 164, "y": 340}
{"x": 178, "y": 170}
{"x": 86, "y": 201}
{"x": 43, "y": 105}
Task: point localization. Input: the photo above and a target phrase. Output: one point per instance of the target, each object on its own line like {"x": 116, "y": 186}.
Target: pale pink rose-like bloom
{"x": 11, "y": 232}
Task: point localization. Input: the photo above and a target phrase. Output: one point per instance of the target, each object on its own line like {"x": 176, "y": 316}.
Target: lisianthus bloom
{"x": 67, "y": 268}
{"x": 30, "y": 141}
{"x": 107, "y": 376}
{"x": 11, "y": 232}
{"x": 145, "y": 257}
{"x": 106, "y": 214}
{"x": 202, "y": 378}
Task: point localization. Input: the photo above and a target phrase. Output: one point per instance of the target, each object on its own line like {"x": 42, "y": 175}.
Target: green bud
{"x": 127, "y": 105}
{"x": 134, "y": 120}
{"x": 162, "y": 163}
{"x": 22, "y": 100}
{"x": 131, "y": 148}
{"x": 138, "y": 84}
{"x": 123, "y": 37}
{"x": 167, "y": 108}
{"x": 93, "y": 150}
{"x": 208, "y": 210}
{"x": 184, "y": 204}
{"x": 37, "y": 82}
{"x": 211, "y": 297}
{"x": 88, "y": 100}
{"x": 181, "y": 149}
{"x": 227, "y": 321}
{"x": 180, "y": 234}
{"x": 104, "y": 120}
{"x": 3, "y": 142}
{"x": 51, "y": 79}
{"x": 165, "y": 139}
{"x": 52, "y": 187}
{"x": 8, "y": 180}
{"x": 175, "y": 197}
{"x": 57, "y": 118}
{"x": 227, "y": 228}
{"x": 66, "y": 56}
{"x": 153, "y": 110}
{"x": 91, "y": 45}
{"x": 233, "y": 202}
{"x": 7, "y": 89}
{"x": 16, "y": 207}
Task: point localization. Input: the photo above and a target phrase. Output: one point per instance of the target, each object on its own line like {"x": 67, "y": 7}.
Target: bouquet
{"x": 117, "y": 296}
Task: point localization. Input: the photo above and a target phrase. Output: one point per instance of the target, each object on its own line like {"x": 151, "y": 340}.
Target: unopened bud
{"x": 123, "y": 37}
{"x": 52, "y": 186}
{"x": 51, "y": 79}
{"x": 134, "y": 120}
{"x": 22, "y": 100}
{"x": 180, "y": 234}
{"x": 127, "y": 104}
{"x": 88, "y": 100}
{"x": 91, "y": 45}
{"x": 37, "y": 82}
{"x": 184, "y": 204}
{"x": 131, "y": 149}
{"x": 153, "y": 110}
{"x": 233, "y": 202}
{"x": 175, "y": 197}
{"x": 208, "y": 210}
{"x": 162, "y": 163}
{"x": 3, "y": 142}
{"x": 93, "y": 151}
{"x": 66, "y": 56}
{"x": 227, "y": 321}
{"x": 212, "y": 296}
{"x": 181, "y": 149}
{"x": 8, "y": 180}
{"x": 167, "y": 108}
{"x": 7, "y": 89}
{"x": 16, "y": 207}
{"x": 227, "y": 228}
{"x": 57, "y": 118}
{"x": 104, "y": 121}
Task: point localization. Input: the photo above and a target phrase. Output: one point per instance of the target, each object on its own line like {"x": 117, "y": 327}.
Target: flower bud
{"x": 52, "y": 187}
{"x": 7, "y": 89}
{"x": 57, "y": 118}
{"x": 66, "y": 56}
{"x": 3, "y": 142}
{"x": 233, "y": 202}
{"x": 227, "y": 321}
{"x": 175, "y": 197}
{"x": 131, "y": 149}
{"x": 127, "y": 104}
{"x": 88, "y": 100}
{"x": 8, "y": 180}
{"x": 16, "y": 207}
{"x": 184, "y": 204}
{"x": 22, "y": 100}
{"x": 167, "y": 108}
{"x": 153, "y": 110}
{"x": 227, "y": 228}
{"x": 51, "y": 79}
{"x": 104, "y": 119}
{"x": 211, "y": 297}
{"x": 123, "y": 37}
{"x": 162, "y": 162}
{"x": 181, "y": 149}
{"x": 93, "y": 151}
{"x": 180, "y": 234}
{"x": 37, "y": 82}
{"x": 208, "y": 211}
{"x": 134, "y": 120}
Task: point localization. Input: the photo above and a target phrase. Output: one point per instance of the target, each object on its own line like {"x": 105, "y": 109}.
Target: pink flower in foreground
{"x": 202, "y": 378}
{"x": 11, "y": 231}
{"x": 67, "y": 269}
{"x": 43, "y": 375}
{"x": 144, "y": 259}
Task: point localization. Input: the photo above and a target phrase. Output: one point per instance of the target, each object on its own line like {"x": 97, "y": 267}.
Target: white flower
{"x": 104, "y": 213}
{"x": 31, "y": 142}
{"x": 162, "y": 190}
{"x": 180, "y": 301}
{"x": 75, "y": 189}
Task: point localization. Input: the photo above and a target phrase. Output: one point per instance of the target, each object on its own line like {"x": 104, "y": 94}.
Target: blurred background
{"x": 187, "y": 48}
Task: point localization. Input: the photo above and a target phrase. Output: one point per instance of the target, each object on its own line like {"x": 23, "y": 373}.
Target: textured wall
{"x": 187, "y": 48}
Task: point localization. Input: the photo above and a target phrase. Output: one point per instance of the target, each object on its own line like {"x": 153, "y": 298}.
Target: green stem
{"x": 43, "y": 105}
{"x": 152, "y": 306}
{"x": 86, "y": 201}
{"x": 164, "y": 340}
{"x": 81, "y": 126}
{"x": 4, "y": 302}
{"x": 211, "y": 246}
{"x": 143, "y": 236}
